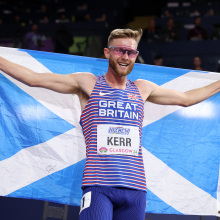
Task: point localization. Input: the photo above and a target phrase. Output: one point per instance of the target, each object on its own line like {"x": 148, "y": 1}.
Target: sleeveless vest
{"x": 112, "y": 126}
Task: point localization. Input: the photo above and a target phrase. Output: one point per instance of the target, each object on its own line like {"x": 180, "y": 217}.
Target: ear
{"x": 106, "y": 53}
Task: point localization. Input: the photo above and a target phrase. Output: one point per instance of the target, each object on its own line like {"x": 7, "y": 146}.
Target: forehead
{"x": 126, "y": 42}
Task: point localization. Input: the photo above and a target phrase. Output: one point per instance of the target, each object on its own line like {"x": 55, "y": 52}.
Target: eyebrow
{"x": 124, "y": 47}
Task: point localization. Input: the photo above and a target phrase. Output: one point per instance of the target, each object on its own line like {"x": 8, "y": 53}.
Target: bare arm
{"x": 156, "y": 94}
{"x": 70, "y": 83}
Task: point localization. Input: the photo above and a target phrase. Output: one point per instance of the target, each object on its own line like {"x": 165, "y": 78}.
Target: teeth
{"x": 121, "y": 64}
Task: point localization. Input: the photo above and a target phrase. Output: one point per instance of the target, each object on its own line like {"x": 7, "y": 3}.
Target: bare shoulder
{"x": 83, "y": 75}
{"x": 145, "y": 84}
{"x": 85, "y": 80}
{"x": 145, "y": 87}
{"x": 142, "y": 82}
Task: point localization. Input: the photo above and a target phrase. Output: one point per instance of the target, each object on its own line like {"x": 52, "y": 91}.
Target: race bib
{"x": 114, "y": 139}
{"x": 85, "y": 201}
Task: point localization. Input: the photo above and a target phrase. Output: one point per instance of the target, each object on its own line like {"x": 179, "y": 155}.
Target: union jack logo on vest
{"x": 132, "y": 96}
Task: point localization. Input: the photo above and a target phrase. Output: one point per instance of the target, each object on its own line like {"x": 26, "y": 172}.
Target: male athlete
{"x": 114, "y": 185}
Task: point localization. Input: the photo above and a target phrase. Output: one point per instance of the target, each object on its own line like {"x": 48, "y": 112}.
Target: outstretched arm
{"x": 156, "y": 94}
{"x": 70, "y": 83}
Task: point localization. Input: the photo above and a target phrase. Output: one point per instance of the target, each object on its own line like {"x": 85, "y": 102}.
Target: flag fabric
{"x": 42, "y": 148}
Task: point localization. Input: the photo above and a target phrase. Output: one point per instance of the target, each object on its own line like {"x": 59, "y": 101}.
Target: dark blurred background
{"x": 177, "y": 33}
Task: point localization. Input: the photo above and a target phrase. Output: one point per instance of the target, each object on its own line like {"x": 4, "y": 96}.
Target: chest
{"x": 115, "y": 104}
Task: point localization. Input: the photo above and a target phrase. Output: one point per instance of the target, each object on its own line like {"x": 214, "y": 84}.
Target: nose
{"x": 125, "y": 54}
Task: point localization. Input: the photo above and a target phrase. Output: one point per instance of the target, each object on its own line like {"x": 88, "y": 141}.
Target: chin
{"x": 126, "y": 72}
{"x": 119, "y": 72}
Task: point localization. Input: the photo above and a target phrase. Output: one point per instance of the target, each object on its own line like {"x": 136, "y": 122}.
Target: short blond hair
{"x": 125, "y": 33}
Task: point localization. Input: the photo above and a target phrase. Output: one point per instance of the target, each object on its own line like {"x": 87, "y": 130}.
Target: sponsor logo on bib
{"x": 119, "y": 130}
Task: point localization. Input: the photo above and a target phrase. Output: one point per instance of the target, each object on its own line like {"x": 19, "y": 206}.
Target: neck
{"x": 118, "y": 82}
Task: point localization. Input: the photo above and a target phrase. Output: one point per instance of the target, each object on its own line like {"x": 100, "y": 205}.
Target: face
{"x": 170, "y": 23}
{"x": 158, "y": 62}
{"x": 152, "y": 23}
{"x": 198, "y": 21}
{"x": 35, "y": 27}
{"x": 121, "y": 65}
{"x": 197, "y": 61}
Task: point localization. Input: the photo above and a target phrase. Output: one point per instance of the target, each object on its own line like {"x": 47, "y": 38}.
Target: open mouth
{"x": 123, "y": 64}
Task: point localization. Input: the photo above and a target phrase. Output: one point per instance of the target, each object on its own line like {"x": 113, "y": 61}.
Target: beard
{"x": 120, "y": 72}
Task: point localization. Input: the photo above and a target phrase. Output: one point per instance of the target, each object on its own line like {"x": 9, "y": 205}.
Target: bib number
{"x": 85, "y": 201}
{"x": 113, "y": 139}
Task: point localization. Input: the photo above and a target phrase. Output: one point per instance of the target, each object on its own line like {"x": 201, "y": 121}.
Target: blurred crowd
{"x": 47, "y": 25}
{"x": 182, "y": 23}
{"x": 80, "y": 27}
{"x": 53, "y": 11}
{"x": 192, "y": 22}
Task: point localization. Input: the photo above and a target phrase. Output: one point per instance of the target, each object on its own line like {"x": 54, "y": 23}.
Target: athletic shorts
{"x": 107, "y": 203}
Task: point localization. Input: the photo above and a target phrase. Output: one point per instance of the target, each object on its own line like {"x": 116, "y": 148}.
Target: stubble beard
{"x": 114, "y": 66}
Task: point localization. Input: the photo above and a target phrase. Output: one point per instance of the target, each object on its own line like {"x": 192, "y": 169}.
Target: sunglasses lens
{"x": 132, "y": 53}
{"x": 121, "y": 51}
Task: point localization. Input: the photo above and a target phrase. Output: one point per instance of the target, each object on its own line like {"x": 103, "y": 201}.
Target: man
{"x": 114, "y": 185}
{"x": 197, "y": 63}
{"x": 170, "y": 32}
{"x": 33, "y": 40}
{"x": 153, "y": 32}
{"x": 198, "y": 32}
{"x": 158, "y": 60}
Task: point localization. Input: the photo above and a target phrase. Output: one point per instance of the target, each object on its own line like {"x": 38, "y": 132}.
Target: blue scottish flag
{"x": 42, "y": 149}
